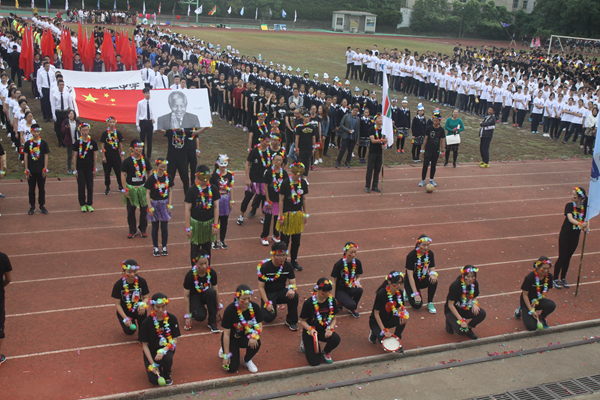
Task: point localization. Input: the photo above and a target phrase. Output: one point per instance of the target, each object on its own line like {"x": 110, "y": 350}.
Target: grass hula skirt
{"x": 137, "y": 196}
{"x": 161, "y": 212}
{"x": 293, "y": 223}
{"x": 202, "y": 231}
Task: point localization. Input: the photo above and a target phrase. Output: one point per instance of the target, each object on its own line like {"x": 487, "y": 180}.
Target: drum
{"x": 392, "y": 344}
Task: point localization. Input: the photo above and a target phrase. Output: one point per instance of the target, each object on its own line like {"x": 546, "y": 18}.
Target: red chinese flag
{"x": 81, "y": 43}
{"x": 50, "y": 46}
{"x": 90, "y": 49}
{"x": 97, "y": 104}
{"x": 66, "y": 47}
{"x": 23, "y": 58}
{"x": 108, "y": 53}
{"x": 133, "y": 54}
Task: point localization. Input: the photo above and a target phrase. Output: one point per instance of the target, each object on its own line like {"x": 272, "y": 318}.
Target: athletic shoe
{"x": 376, "y": 190}
{"x": 367, "y": 190}
{"x": 143, "y": 234}
{"x": 480, "y": 163}
{"x": 431, "y": 308}
{"x": 565, "y": 284}
{"x": 472, "y": 335}
{"x": 156, "y": 253}
{"x": 292, "y": 326}
{"x": 397, "y": 150}
{"x": 327, "y": 358}
{"x": 402, "y": 151}
{"x": 250, "y": 365}
{"x": 262, "y": 220}
{"x": 372, "y": 338}
{"x": 518, "y": 313}
{"x": 44, "y": 211}
{"x": 557, "y": 284}
{"x": 264, "y": 241}
{"x": 484, "y": 165}
{"x": 83, "y": 208}
{"x": 297, "y": 266}
{"x": 336, "y": 166}
{"x": 240, "y": 220}
{"x": 302, "y": 346}
{"x": 245, "y": 129}
{"x": 321, "y": 160}
{"x": 316, "y": 162}
{"x": 252, "y": 213}
{"x": 544, "y": 323}
{"x": 422, "y": 183}
{"x": 347, "y": 165}
{"x": 405, "y": 296}
{"x": 213, "y": 327}
{"x": 546, "y": 135}
{"x": 454, "y": 164}
{"x": 2, "y": 358}
{"x": 131, "y": 235}
{"x": 223, "y": 245}
{"x": 214, "y": 246}
{"x": 433, "y": 183}
{"x": 449, "y": 328}
{"x": 164, "y": 251}
{"x": 445, "y": 164}
{"x": 106, "y": 192}
{"x": 276, "y": 239}
{"x": 168, "y": 381}
{"x": 354, "y": 313}
{"x": 89, "y": 208}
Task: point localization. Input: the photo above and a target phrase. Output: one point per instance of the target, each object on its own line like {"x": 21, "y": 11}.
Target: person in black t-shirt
{"x": 200, "y": 293}
{"x": 130, "y": 294}
{"x": 292, "y": 210}
{"x": 158, "y": 196}
{"x": 159, "y": 335}
{"x": 273, "y": 179}
{"x": 257, "y": 130}
{"x": 375, "y": 160}
{"x": 533, "y": 296}
{"x": 6, "y": 275}
{"x": 223, "y": 179}
{"x": 461, "y": 304}
{"x": 276, "y": 140}
{"x": 277, "y": 285}
{"x": 36, "y": 168}
{"x": 388, "y": 309}
{"x": 259, "y": 159}
{"x": 133, "y": 173}
{"x": 305, "y": 136}
{"x": 178, "y": 140}
{"x": 85, "y": 158}
{"x": 242, "y": 325}
{"x": 435, "y": 139}
{"x": 421, "y": 274}
{"x": 202, "y": 212}
{"x": 345, "y": 276}
{"x": 318, "y": 320}
{"x": 568, "y": 239}
{"x": 111, "y": 147}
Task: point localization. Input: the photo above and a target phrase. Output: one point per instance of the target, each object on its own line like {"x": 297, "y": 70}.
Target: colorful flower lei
{"x": 35, "y": 151}
{"x": 422, "y": 266}
{"x": 322, "y": 322}
{"x": 87, "y": 147}
{"x": 206, "y": 285}
{"x": 578, "y": 215}
{"x": 349, "y": 274}
{"x": 166, "y": 340}
{"x": 112, "y": 140}
{"x": 205, "y": 205}
{"x": 296, "y": 193}
{"x": 467, "y": 302}
{"x": 163, "y": 188}
{"x": 402, "y": 313}
{"x": 266, "y": 163}
{"x": 136, "y": 294}
{"x": 136, "y": 165}
{"x": 277, "y": 181}
{"x": 223, "y": 182}
{"x": 540, "y": 293}
{"x": 264, "y": 278}
{"x": 250, "y": 328}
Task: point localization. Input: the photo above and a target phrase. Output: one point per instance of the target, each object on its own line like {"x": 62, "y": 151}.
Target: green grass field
{"x": 316, "y": 53}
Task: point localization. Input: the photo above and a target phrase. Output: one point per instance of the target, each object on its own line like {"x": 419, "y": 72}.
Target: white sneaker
{"x": 353, "y": 154}
{"x": 321, "y": 160}
{"x": 250, "y": 365}
{"x": 264, "y": 241}
{"x": 316, "y": 162}
{"x": 221, "y": 352}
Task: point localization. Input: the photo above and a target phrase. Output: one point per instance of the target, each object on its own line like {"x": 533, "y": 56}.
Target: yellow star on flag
{"x": 112, "y": 100}
{"x": 105, "y": 94}
{"x": 89, "y": 97}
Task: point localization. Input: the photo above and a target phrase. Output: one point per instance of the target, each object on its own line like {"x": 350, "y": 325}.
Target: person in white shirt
{"x": 161, "y": 81}
{"x": 520, "y": 103}
{"x": 148, "y": 74}
{"x": 61, "y": 102}
{"x": 507, "y": 103}
{"x": 538, "y": 110}
{"x": 549, "y": 114}
{"x": 349, "y": 61}
{"x": 577, "y": 113}
{"x": 144, "y": 121}
{"x": 44, "y": 80}
{"x": 357, "y": 59}
{"x": 176, "y": 85}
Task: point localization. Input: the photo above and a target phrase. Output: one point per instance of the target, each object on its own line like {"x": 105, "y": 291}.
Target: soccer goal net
{"x": 570, "y": 44}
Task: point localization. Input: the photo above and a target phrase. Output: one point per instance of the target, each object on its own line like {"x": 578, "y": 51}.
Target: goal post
{"x": 568, "y": 41}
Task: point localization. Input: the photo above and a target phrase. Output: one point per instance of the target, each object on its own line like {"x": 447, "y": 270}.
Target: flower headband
{"x": 138, "y": 144}
{"x": 83, "y": 125}
{"x": 206, "y": 257}
{"x": 160, "y": 301}
{"x": 36, "y": 130}
{"x": 274, "y": 132}
{"x": 261, "y": 114}
{"x": 111, "y": 117}
{"x": 465, "y": 270}
{"x": 275, "y": 122}
{"x": 395, "y": 274}
{"x": 322, "y": 284}
{"x": 539, "y": 263}
{"x": 243, "y": 292}
{"x": 579, "y": 192}
{"x": 423, "y": 239}
{"x": 297, "y": 168}
{"x": 349, "y": 245}
{"x": 158, "y": 162}
{"x": 280, "y": 252}
{"x": 131, "y": 267}
{"x": 306, "y": 114}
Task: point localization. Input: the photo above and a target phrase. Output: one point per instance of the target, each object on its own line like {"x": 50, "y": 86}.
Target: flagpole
{"x": 382, "y": 165}
{"x": 580, "y": 262}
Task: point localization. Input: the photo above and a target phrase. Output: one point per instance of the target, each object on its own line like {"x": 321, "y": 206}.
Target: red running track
{"x": 63, "y": 340}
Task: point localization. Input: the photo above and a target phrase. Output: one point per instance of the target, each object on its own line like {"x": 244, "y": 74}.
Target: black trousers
{"x": 164, "y": 232}
{"x": 179, "y": 165}
{"x": 137, "y": 320}
{"x": 248, "y": 195}
{"x": 349, "y": 297}
{"x": 45, "y": 103}
{"x": 416, "y": 151}
{"x": 235, "y": 344}
{"x": 520, "y": 117}
{"x": 267, "y": 226}
{"x": 421, "y": 284}
{"x": 484, "y": 149}
{"x": 466, "y": 314}
{"x": 281, "y": 298}
{"x": 546, "y": 305}
{"x": 355, "y": 72}
{"x": 535, "y": 122}
{"x": 36, "y": 179}
{"x": 16, "y": 71}
{"x": 392, "y": 323}
{"x": 373, "y": 169}
{"x": 112, "y": 164}
{"x": 146, "y": 131}
{"x": 430, "y": 158}
{"x": 295, "y": 245}
{"x": 505, "y": 113}
{"x": 348, "y": 69}
{"x": 314, "y": 358}
{"x": 566, "y": 247}
{"x": 60, "y": 117}
{"x": 202, "y": 304}
{"x": 347, "y": 145}
{"x": 497, "y": 109}
{"x": 164, "y": 366}
{"x": 192, "y": 163}
{"x": 223, "y": 221}
{"x": 131, "y": 221}
{"x": 85, "y": 182}
{"x": 573, "y": 128}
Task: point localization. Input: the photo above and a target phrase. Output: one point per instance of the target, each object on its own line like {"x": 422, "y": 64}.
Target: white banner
{"x": 130, "y": 80}
{"x": 186, "y": 108}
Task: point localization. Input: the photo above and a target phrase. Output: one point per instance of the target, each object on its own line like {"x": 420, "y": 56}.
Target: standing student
{"x": 378, "y": 143}
{"x": 454, "y": 126}
{"x": 591, "y": 127}
{"x": 201, "y": 293}
{"x": 350, "y": 132}
{"x": 388, "y": 309}
{"x": 61, "y": 102}
{"x": 70, "y": 135}
{"x": 85, "y": 158}
{"x": 130, "y": 294}
{"x": 402, "y": 124}
{"x": 36, "y": 167}
{"x": 485, "y": 137}
{"x": 292, "y": 210}
{"x": 259, "y": 160}
{"x": 434, "y": 142}
{"x": 144, "y": 121}
{"x": 576, "y": 126}
{"x": 418, "y": 133}
{"x": 158, "y": 197}
{"x": 345, "y": 276}
{"x": 305, "y": 136}
{"x": 6, "y": 274}
{"x": 242, "y": 326}
{"x": 273, "y": 179}
{"x": 133, "y": 173}
{"x": 277, "y": 285}
{"x": 568, "y": 239}
{"x": 158, "y": 336}
{"x": 111, "y": 147}
{"x": 537, "y": 112}
{"x": 461, "y": 304}
{"x": 533, "y": 296}
{"x": 420, "y": 270}
{"x": 202, "y": 212}
{"x": 177, "y": 142}
{"x": 364, "y": 141}
{"x": 223, "y": 179}
{"x": 318, "y": 319}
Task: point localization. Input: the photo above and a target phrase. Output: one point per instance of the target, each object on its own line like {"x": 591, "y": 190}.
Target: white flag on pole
{"x": 188, "y": 10}
{"x": 144, "y": 8}
{"x": 242, "y": 11}
{"x": 229, "y": 11}
{"x": 386, "y": 106}
{"x": 66, "y": 5}
{"x": 295, "y": 15}
{"x": 198, "y": 10}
